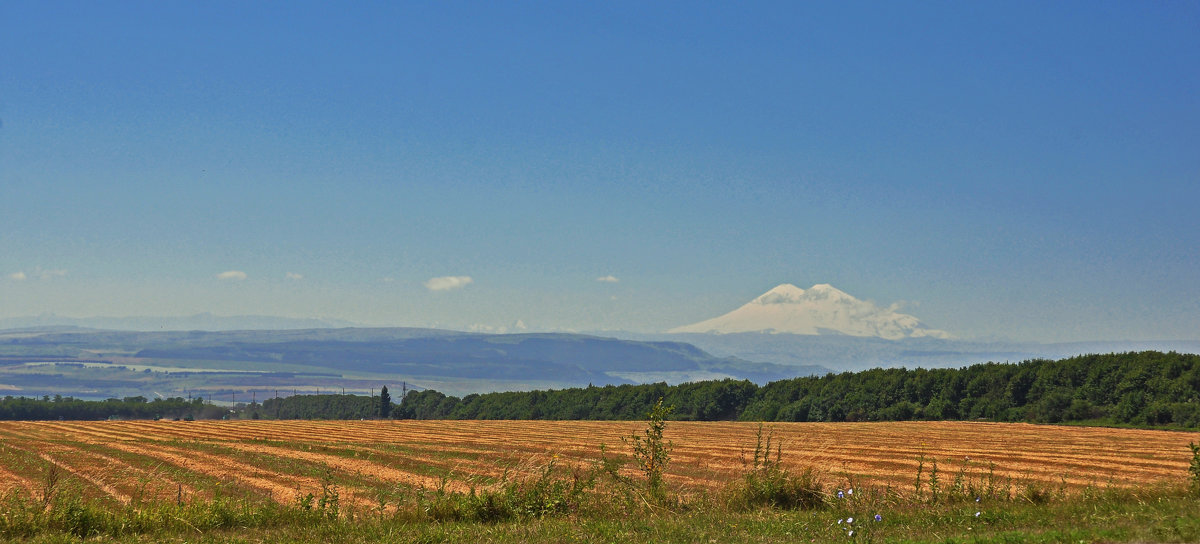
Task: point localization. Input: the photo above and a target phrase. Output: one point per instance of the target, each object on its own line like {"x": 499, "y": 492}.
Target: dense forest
{"x": 295, "y": 407}
{"x": 316, "y": 407}
{"x": 1137, "y": 388}
{"x": 1140, "y": 388}
{"x": 58, "y": 407}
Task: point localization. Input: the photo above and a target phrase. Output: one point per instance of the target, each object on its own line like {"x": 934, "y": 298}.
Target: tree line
{"x": 59, "y": 407}
{"x": 1135, "y": 388}
{"x": 323, "y": 407}
{"x": 295, "y": 407}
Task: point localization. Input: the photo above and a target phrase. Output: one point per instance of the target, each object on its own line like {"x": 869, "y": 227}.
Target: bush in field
{"x": 551, "y": 493}
{"x": 1194, "y": 468}
{"x": 554, "y": 492}
{"x": 651, "y": 452}
{"x": 768, "y": 484}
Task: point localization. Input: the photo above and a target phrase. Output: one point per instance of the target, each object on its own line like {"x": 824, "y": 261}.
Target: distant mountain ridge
{"x": 76, "y": 361}
{"x": 822, "y": 309}
{"x": 196, "y": 322}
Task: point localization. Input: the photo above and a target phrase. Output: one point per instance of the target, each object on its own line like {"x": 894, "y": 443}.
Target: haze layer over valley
{"x": 785, "y": 332}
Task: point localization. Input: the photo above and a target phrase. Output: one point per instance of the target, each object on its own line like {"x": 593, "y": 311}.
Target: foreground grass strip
{"x": 1169, "y": 516}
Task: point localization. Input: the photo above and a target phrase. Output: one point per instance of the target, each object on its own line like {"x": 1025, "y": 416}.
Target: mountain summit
{"x": 822, "y": 309}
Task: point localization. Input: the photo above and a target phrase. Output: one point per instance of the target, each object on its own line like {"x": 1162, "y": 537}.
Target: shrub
{"x": 768, "y": 484}
{"x": 1194, "y": 468}
{"x": 652, "y": 452}
{"x": 551, "y": 493}
{"x": 554, "y": 492}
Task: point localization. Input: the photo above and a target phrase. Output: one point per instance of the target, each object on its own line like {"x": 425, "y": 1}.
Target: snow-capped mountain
{"x": 822, "y": 309}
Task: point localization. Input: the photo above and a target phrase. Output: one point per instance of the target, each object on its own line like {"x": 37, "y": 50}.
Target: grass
{"x": 1163, "y": 516}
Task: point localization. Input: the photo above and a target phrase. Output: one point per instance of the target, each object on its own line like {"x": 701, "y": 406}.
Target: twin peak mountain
{"x": 822, "y": 309}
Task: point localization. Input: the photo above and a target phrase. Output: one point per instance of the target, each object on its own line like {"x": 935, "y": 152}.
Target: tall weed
{"x": 1194, "y": 468}
{"x": 769, "y": 484}
{"x": 652, "y": 452}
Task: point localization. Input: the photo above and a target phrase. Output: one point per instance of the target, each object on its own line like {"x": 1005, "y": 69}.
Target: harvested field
{"x": 366, "y": 460}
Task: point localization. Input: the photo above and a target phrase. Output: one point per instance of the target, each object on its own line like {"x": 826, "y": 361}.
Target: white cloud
{"x": 233, "y": 275}
{"x": 38, "y": 273}
{"x": 608, "y": 279}
{"x": 293, "y": 276}
{"x": 446, "y": 283}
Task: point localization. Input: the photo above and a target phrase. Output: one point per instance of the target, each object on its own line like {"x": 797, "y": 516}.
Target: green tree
{"x": 385, "y": 403}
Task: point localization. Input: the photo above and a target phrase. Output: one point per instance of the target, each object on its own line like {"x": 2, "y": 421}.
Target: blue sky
{"x": 1005, "y": 169}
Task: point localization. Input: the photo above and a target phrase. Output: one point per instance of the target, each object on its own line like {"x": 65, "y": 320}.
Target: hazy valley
{"x": 786, "y": 332}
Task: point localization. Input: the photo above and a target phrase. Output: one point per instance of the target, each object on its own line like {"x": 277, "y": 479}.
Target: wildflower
{"x": 976, "y": 499}
{"x": 840, "y": 521}
{"x": 851, "y": 533}
{"x": 878, "y": 517}
{"x": 976, "y": 514}
{"x": 840, "y": 495}
{"x": 850, "y": 491}
{"x": 849, "y": 520}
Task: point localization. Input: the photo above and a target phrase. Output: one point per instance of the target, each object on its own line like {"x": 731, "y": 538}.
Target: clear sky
{"x": 1028, "y": 170}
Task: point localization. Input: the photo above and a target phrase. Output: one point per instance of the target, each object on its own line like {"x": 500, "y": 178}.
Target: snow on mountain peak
{"x": 822, "y": 308}
{"x": 781, "y": 294}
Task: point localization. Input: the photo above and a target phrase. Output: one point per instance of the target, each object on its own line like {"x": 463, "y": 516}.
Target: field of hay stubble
{"x": 286, "y": 460}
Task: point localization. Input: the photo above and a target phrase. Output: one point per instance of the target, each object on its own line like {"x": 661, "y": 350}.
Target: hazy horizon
{"x": 1018, "y": 170}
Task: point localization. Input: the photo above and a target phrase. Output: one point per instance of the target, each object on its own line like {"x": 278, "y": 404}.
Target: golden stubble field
{"x": 161, "y": 460}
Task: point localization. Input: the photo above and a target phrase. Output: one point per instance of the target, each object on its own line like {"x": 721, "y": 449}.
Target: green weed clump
{"x": 68, "y": 513}
{"x": 1194, "y": 468}
{"x": 652, "y": 452}
{"x": 971, "y": 482}
{"x": 328, "y": 504}
{"x": 769, "y": 484}
{"x": 555, "y": 491}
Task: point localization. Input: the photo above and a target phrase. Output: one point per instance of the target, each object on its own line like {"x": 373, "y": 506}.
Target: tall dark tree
{"x": 385, "y": 403}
